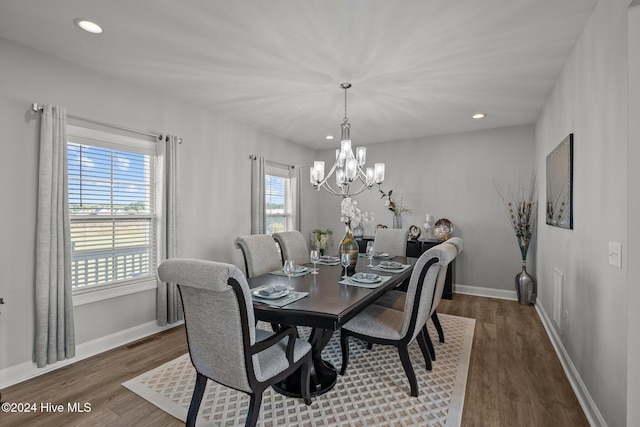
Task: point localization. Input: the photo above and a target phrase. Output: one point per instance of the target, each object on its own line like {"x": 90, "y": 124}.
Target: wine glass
{"x": 345, "y": 260}
{"x": 289, "y": 268}
{"x": 369, "y": 252}
{"x": 315, "y": 257}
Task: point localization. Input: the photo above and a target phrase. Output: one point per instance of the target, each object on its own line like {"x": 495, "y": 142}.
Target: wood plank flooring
{"x": 515, "y": 377}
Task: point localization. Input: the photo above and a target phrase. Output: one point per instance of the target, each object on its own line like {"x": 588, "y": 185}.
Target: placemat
{"x": 292, "y": 296}
{"x": 390, "y": 270}
{"x": 351, "y": 282}
{"x": 296, "y": 274}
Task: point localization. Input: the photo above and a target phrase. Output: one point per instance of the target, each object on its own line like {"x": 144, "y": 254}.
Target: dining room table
{"x": 324, "y": 302}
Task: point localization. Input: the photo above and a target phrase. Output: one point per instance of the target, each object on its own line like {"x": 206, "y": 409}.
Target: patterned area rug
{"x": 374, "y": 391}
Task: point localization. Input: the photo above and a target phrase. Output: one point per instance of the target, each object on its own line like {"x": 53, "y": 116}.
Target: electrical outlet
{"x": 566, "y": 319}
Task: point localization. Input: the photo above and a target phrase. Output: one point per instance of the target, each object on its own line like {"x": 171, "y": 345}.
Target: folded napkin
{"x": 292, "y": 296}
{"x": 391, "y": 270}
{"x": 296, "y": 274}
{"x": 349, "y": 281}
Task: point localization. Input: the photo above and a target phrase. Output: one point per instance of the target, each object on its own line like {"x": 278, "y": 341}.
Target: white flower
{"x": 351, "y": 215}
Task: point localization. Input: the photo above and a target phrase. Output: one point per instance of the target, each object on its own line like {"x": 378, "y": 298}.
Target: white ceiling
{"x": 418, "y": 67}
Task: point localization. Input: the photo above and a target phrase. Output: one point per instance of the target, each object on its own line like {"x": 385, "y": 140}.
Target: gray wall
{"x": 452, "y": 176}
{"x": 590, "y": 101}
{"x": 215, "y": 183}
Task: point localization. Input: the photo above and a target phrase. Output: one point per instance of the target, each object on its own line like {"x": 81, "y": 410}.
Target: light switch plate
{"x": 615, "y": 254}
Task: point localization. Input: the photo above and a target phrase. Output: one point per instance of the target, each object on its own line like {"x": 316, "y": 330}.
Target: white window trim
{"x": 96, "y": 293}
{"x": 105, "y": 292}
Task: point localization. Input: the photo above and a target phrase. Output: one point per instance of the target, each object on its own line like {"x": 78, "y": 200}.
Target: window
{"x": 279, "y": 200}
{"x": 111, "y": 206}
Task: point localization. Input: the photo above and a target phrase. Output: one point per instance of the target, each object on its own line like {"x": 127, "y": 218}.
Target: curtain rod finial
{"x": 35, "y": 107}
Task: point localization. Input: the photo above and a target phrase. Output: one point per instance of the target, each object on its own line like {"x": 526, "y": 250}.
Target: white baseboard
{"x": 27, "y": 370}
{"x": 485, "y": 292}
{"x": 586, "y": 402}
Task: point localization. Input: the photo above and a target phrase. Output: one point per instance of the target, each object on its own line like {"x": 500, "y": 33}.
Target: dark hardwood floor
{"x": 515, "y": 377}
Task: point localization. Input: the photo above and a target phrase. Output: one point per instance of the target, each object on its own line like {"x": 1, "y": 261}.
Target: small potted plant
{"x": 320, "y": 239}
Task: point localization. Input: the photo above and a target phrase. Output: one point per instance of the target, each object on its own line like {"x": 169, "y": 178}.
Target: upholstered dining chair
{"x": 396, "y": 299}
{"x": 224, "y": 344}
{"x": 391, "y": 241}
{"x": 293, "y": 246}
{"x": 260, "y": 254}
{"x": 383, "y": 325}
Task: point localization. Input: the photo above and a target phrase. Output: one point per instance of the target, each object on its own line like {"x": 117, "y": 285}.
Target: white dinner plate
{"x": 266, "y": 294}
{"x": 393, "y": 265}
{"x": 366, "y": 278}
{"x": 299, "y": 269}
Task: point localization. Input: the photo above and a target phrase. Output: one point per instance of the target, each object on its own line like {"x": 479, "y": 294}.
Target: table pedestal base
{"x": 323, "y": 374}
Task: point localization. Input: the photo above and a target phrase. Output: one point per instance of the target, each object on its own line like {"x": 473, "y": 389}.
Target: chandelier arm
{"x": 364, "y": 187}
{"x": 329, "y": 189}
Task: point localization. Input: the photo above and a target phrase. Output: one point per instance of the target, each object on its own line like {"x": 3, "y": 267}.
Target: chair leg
{"x": 427, "y": 337}
{"x": 196, "y": 399}
{"x": 408, "y": 370}
{"x": 436, "y": 323}
{"x": 304, "y": 381}
{"x": 426, "y": 353}
{"x": 344, "y": 348}
{"x": 254, "y": 409}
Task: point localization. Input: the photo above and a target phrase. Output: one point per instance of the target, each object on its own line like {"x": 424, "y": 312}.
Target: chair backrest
{"x": 218, "y": 316}
{"x": 293, "y": 246}
{"x": 421, "y": 288}
{"x": 442, "y": 274}
{"x": 260, "y": 254}
{"x": 392, "y": 241}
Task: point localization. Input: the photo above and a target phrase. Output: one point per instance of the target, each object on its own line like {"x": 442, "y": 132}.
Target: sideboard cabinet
{"x": 415, "y": 248}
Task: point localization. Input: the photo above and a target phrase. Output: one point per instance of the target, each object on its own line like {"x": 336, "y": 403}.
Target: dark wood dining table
{"x": 328, "y": 306}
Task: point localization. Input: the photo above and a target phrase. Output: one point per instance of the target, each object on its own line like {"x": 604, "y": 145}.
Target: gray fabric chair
{"x": 260, "y": 254}
{"x": 391, "y": 241}
{"x": 396, "y": 299}
{"x": 383, "y": 325}
{"x": 293, "y": 246}
{"x": 224, "y": 344}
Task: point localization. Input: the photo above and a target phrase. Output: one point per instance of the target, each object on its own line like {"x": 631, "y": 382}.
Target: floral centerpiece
{"x": 395, "y": 206}
{"x": 352, "y": 216}
{"x": 320, "y": 239}
{"x": 520, "y": 206}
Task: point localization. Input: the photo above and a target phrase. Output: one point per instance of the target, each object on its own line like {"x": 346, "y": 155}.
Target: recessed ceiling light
{"x": 478, "y": 116}
{"x": 88, "y": 26}
{"x": 329, "y": 137}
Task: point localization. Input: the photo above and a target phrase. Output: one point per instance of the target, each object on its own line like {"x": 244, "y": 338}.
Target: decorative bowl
{"x": 443, "y": 229}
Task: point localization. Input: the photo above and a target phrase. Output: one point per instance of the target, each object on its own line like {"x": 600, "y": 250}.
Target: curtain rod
{"x": 38, "y": 108}
{"x": 254, "y": 157}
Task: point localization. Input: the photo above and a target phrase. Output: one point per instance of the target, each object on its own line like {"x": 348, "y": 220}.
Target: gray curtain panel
{"x": 258, "y": 222}
{"x": 54, "y": 334}
{"x": 168, "y": 304}
{"x": 295, "y": 174}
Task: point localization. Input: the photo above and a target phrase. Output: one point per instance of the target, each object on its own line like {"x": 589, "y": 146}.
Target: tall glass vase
{"x": 397, "y": 220}
{"x": 525, "y": 286}
{"x": 348, "y": 245}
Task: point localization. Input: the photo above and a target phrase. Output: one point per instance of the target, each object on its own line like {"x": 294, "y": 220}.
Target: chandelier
{"x": 348, "y": 168}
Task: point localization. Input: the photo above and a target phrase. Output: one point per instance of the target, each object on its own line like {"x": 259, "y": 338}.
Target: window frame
{"x": 280, "y": 171}
{"x": 139, "y": 145}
